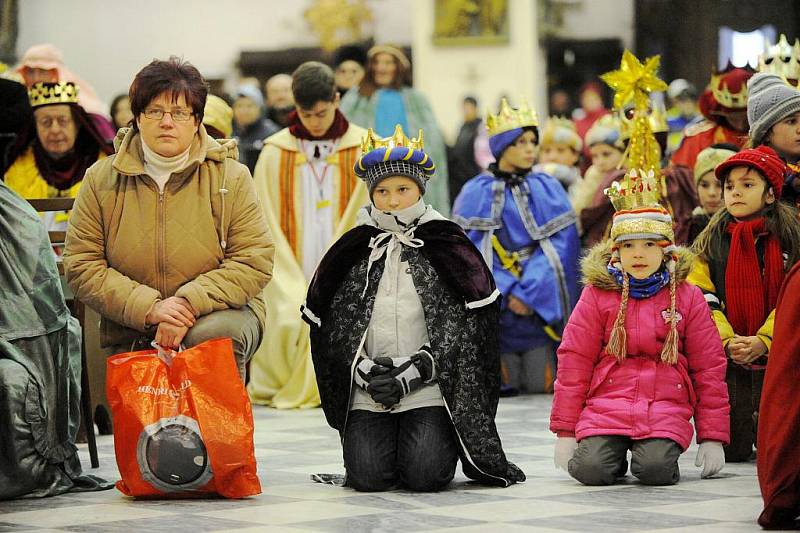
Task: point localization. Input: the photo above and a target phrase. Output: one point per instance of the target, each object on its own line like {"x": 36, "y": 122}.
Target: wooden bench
{"x": 57, "y": 238}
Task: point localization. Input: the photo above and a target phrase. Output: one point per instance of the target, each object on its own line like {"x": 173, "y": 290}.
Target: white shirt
{"x": 317, "y": 201}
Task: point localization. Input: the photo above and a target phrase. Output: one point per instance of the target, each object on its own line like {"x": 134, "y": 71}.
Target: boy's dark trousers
{"x": 744, "y": 390}
{"x": 414, "y": 449}
{"x": 602, "y": 459}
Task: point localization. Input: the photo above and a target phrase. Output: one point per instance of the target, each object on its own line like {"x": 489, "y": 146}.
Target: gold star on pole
{"x": 634, "y": 81}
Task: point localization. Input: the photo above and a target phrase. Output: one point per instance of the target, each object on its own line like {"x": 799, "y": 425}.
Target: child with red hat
{"x": 744, "y": 253}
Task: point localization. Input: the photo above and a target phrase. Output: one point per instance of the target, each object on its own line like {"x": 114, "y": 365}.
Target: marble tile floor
{"x": 292, "y": 444}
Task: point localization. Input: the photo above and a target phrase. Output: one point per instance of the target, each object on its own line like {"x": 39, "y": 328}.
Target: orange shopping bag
{"x": 183, "y": 424}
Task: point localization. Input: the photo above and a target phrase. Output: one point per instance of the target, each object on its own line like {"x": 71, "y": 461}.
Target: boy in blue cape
{"x": 524, "y": 226}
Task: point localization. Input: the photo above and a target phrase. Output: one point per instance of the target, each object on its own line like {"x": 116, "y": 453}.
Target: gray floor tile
{"x": 618, "y": 520}
{"x": 386, "y": 523}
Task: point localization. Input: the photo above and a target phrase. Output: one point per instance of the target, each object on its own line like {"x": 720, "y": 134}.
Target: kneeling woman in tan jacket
{"x": 167, "y": 240}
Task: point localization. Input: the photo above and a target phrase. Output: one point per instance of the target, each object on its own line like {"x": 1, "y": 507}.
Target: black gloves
{"x": 404, "y": 375}
{"x": 366, "y": 369}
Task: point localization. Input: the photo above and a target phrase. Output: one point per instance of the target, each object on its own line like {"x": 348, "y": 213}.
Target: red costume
{"x": 726, "y": 94}
{"x": 779, "y": 415}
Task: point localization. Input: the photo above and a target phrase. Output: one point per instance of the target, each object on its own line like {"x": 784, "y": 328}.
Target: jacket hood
{"x": 594, "y": 266}
{"x": 129, "y": 159}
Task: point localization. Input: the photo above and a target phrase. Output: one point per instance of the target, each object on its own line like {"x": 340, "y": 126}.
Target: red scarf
{"x": 750, "y": 295}
{"x": 337, "y": 129}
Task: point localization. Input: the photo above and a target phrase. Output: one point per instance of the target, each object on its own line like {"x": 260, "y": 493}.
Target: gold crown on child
{"x": 372, "y": 142}
{"x": 639, "y": 188}
{"x": 508, "y": 118}
{"x": 63, "y": 92}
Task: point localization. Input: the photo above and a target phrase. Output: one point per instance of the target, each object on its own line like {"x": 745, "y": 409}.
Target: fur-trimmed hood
{"x": 595, "y": 272}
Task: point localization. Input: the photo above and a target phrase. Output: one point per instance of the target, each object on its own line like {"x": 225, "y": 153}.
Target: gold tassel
{"x": 618, "y": 341}
{"x": 669, "y": 352}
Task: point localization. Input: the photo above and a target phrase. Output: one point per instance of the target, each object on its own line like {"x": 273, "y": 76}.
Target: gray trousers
{"x": 532, "y": 371}
{"x": 601, "y": 460}
{"x": 241, "y": 325}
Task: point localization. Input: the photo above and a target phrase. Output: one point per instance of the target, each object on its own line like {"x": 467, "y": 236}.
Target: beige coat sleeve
{"x": 104, "y": 289}
{"x": 247, "y": 266}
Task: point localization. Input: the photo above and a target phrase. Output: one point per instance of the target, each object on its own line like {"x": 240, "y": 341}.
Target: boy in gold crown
{"x": 524, "y": 226}
{"x": 403, "y": 317}
{"x": 640, "y": 356}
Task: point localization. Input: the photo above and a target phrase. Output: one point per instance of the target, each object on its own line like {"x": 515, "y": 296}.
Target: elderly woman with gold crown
{"x": 403, "y": 314}
{"x": 61, "y": 143}
{"x": 524, "y": 225}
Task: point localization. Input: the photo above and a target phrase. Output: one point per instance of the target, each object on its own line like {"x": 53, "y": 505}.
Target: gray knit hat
{"x": 770, "y": 100}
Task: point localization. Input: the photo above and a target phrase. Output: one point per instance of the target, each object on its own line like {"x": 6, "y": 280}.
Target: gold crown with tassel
{"x": 63, "y": 92}
{"x": 372, "y": 142}
{"x": 636, "y": 200}
{"x": 508, "y": 118}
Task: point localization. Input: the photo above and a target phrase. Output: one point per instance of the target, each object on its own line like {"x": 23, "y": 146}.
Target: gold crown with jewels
{"x": 372, "y": 142}
{"x": 63, "y": 92}
{"x": 508, "y": 118}
{"x": 638, "y": 189}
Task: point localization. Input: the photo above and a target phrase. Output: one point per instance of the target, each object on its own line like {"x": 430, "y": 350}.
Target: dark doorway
{"x": 571, "y": 63}
{"x": 686, "y": 32}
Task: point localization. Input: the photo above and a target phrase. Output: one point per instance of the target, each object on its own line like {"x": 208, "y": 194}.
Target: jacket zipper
{"x": 161, "y": 260}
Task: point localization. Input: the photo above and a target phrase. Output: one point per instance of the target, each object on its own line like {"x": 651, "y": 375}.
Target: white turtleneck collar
{"x": 160, "y": 168}
{"x": 398, "y": 220}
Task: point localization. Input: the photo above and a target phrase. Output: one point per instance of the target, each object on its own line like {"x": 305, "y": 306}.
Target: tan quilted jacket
{"x": 203, "y": 238}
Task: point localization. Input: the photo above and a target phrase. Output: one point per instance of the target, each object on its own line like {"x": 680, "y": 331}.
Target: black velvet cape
{"x": 448, "y": 273}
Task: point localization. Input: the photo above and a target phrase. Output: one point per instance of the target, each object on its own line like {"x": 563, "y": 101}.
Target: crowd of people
{"x": 636, "y": 262}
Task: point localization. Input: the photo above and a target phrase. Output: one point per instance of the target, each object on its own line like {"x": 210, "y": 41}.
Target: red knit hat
{"x": 763, "y": 159}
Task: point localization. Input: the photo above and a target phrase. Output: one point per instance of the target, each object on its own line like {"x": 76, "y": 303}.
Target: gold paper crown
{"x": 508, "y": 119}
{"x": 781, "y": 59}
{"x": 63, "y": 92}
{"x": 372, "y": 142}
{"x": 638, "y": 189}
{"x": 723, "y": 95}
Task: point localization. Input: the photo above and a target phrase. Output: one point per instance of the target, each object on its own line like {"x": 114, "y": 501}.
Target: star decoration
{"x": 634, "y": 81}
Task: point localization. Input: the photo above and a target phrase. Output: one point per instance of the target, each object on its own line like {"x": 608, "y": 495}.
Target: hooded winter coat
{"x": 203, "y": 238}
{"x": 640, "y": 397}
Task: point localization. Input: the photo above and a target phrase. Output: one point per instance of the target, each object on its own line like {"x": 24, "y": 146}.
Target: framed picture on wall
{"x": 470, "y": 22}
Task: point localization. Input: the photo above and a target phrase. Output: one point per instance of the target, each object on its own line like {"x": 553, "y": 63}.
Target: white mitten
{"x": 565, "y": 449}
{"x": 711, "y": 457}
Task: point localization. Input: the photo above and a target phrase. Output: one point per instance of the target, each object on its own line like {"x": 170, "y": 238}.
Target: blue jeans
{"x": 414, "y": 449}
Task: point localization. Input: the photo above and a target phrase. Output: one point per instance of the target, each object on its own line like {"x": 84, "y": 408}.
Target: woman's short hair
{"x": 173, "y": 76}
{"x": 313, "y": 82}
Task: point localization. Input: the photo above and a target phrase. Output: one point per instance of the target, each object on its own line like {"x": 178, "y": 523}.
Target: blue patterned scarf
{"x": 642, "y": 288}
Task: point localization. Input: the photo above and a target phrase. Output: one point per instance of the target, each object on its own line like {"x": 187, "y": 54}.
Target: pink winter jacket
{"x": 640, "y": 397}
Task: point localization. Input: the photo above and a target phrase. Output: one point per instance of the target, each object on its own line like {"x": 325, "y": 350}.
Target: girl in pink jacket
{"x": 640, "y": 355}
